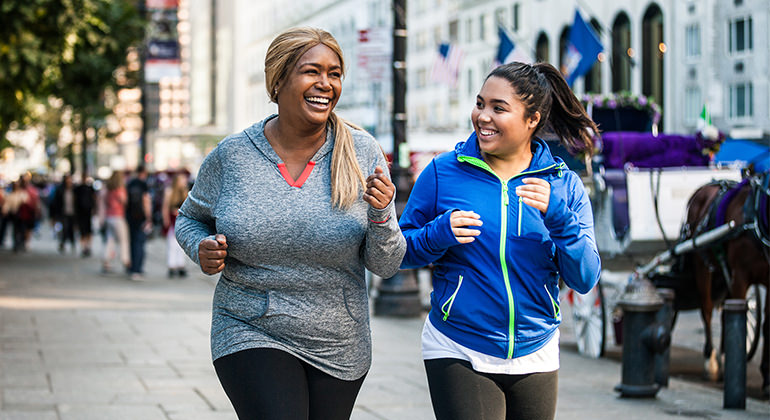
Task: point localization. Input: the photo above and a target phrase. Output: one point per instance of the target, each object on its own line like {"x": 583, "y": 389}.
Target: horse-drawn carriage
{"x": 652, "y": 194}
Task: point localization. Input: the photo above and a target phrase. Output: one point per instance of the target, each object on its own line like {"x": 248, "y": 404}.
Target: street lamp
{"x": 399, "y": 295}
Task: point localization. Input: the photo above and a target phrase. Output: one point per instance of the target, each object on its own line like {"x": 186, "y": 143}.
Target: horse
{"x": 728, "y": 268}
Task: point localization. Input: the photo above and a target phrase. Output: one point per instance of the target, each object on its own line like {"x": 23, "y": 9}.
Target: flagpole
{"x": 399, "y": 295}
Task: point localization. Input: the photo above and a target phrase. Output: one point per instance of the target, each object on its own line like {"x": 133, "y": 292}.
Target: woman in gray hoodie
{"x": 291, "y": 211}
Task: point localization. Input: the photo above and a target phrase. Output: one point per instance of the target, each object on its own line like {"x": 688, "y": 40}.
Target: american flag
{"x": 446, "y": 66}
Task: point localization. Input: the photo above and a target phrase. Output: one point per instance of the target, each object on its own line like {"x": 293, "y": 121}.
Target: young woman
{"x": 284, "y": 210}
{"x": 502, "y": 219}
{"x": 173, "y": 197}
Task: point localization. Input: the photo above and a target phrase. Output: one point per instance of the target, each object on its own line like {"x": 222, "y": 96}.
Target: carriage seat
{"x": 620, "y": 149}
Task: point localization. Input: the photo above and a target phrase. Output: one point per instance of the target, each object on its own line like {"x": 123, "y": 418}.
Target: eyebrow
{"x": 499, "y": 101}
{"x": 318, "y": 66}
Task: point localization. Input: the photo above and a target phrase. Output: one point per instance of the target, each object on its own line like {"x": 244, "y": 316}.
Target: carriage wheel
{"x": 588, "y": 313}
{"x": 753, "y": 320}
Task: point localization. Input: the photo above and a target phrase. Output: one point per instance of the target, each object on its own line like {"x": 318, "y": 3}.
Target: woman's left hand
{"x": 535, "y": 193}
{"x": 379, "y": 189}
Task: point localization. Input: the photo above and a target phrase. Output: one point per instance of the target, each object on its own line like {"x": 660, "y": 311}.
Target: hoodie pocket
{"x": 554, "y": 304}
{"x": 240, "y": 302}
{"x": 446, "y": 306}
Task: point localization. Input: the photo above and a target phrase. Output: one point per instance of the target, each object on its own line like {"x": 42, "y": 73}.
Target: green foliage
{"x": 69, "y": 49}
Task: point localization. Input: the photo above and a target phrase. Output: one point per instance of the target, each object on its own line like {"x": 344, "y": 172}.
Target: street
{"x": 78, "y": 345}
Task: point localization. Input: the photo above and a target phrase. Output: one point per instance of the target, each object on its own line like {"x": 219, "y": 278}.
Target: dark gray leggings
{"x": 460, "y": 393}
{"x": 270, "y": 384}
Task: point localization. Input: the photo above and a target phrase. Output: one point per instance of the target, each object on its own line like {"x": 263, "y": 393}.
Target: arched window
{"x": 593, "y": 81}
{"x": 563, "y": 40}
{"x": 542, "y": 54}
{"x": 653, "y": 50}
{"x": 622, "y": 54}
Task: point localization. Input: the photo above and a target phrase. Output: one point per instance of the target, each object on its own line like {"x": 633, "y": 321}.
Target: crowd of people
{"x": 123, "y": 210}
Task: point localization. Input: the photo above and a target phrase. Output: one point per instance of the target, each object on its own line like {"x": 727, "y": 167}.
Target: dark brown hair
{"x": 541, "y": 88}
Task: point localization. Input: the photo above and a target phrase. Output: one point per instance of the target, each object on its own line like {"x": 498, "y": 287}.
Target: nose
{"x": 323, "y": 82}
{"x": 484, "y": 116}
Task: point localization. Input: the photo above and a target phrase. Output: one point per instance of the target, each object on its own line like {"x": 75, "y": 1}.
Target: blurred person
{"x": 85, "y": 208}
{"x": 139, "y": 220}
{"x": 112, "y": 211}
{"x": 13, "y": 202}
{"x": 284, "y": 211}
{"x": 62, "y": 211}
{"x": 29, "y": 212}
{"x": 502, "y": 220}
{"x": 173, "y": 197}
{"x": 4, "y": 220}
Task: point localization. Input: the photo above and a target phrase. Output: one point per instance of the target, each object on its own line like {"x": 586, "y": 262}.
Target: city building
{"x": 686, "y": 55}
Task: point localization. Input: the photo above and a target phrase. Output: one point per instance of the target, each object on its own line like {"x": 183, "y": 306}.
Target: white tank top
{"x": 436, "y": 345}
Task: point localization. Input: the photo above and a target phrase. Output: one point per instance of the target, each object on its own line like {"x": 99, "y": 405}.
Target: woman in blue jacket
{"x": 502, "y": 220}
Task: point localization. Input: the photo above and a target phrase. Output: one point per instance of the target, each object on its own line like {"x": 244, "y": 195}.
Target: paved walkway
{"x": 78, "y": 345}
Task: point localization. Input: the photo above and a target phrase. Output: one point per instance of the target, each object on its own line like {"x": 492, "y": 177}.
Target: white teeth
{"x": 486, "y": 132}
{"x": 317, "y": 99}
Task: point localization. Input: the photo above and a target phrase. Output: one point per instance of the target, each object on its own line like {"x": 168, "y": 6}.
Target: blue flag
{"x": 507, "y": 51}
{"x": 583, "y": 49}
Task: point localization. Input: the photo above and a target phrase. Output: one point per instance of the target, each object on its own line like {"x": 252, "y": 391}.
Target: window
{"x": 692, "y": 105}
{"x": 515, "y": 18}
{"x": 500, "y": 16}
{"x": 422, "y": 78}
{"x": 483, "y": 27}
{"x": 453, "y": 31}
{"x": 741, "y": 100}
{"x": 471, "y": 83}
{"x": 469, "y": 30}
{"x": 692, "y": 41}
{"x": 739, "y": 35}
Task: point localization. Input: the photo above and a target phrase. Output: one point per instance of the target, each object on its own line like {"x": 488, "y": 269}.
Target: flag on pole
{"x": 583, "y": 49}
{"x": 507, "y": 51}
{"x": 446, "y": 66}
{"x": 704, "y": 119}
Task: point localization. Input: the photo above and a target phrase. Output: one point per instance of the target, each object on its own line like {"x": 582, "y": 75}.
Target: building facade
{"x": 685, "y": 54}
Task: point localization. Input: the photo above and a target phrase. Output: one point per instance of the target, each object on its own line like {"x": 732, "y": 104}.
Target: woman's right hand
{"x": 460, "y": 220}
{"x": 212, "y": 253}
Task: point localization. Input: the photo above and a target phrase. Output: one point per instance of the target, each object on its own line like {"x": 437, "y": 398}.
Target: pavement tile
{"x": 111, "y": 412}
{"x": 29, "y": 415}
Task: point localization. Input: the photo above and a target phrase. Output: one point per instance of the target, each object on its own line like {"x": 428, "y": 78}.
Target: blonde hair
{"x": 347, "y": 180}
{"x": 178, "y": 193}
{"x": 115, "y": 181}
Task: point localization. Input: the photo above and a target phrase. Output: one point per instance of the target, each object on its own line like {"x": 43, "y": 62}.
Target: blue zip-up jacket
{"x": 499, "y": 294}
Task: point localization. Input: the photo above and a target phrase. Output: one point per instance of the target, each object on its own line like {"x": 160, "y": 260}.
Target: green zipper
{"x": 451, "y": 300}
{"x": 503, "y": 231}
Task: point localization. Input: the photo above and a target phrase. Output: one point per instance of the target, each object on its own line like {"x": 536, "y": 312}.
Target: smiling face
{"x": 500, "y": 120}
{"x": 312, "y": 88}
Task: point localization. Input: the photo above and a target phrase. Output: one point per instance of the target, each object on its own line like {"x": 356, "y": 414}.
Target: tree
{"x": 93, "y": 39}
{"x": 34, "y": 38}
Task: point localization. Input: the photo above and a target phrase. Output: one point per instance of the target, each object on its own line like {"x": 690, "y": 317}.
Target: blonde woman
{"x": 173, "y": 197}
{"x": 113, "y": 217}
{"x": 291, "y": 211}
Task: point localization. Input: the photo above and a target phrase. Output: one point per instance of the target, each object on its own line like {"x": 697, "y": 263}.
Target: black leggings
{"x": 269, "y": 384}
{"x": 460, "y": 393}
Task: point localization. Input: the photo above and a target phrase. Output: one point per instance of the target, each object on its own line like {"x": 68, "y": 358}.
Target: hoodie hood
{"x": 542, "y": 159}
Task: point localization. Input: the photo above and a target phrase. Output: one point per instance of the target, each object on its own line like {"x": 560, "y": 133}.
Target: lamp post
{"x": 399, "y": 295}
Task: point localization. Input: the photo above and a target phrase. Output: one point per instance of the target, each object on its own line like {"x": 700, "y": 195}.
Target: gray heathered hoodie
{"x": 294, "y": 274}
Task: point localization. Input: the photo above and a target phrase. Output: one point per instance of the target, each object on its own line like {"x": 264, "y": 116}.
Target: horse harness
{"x": 756, "y": 217}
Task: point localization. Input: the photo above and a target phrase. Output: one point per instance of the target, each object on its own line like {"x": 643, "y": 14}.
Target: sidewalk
{"x": 77, "y": 345}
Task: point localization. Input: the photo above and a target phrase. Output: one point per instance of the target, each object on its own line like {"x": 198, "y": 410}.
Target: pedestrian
{"x": 29, "y": 212}
{"x": 85, "y": 208}
{"x": 62, "y": 212}
{"x": 285, "y": 211}
{"x": 13, "y": 202}
{"x": 139, "y": 220}
{"x": 5, "y": 221}
{"x": 112, "y": 216}
{"x": 173, "y": 197}
{"x": 502, "y": 219}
